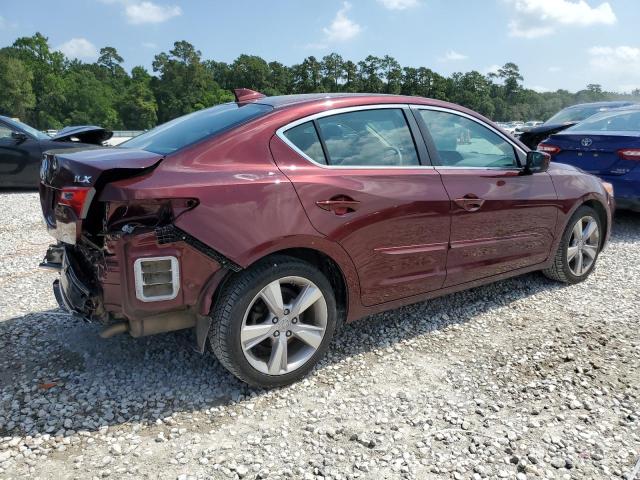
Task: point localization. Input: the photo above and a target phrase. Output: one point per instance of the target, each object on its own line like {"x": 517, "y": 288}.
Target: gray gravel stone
{"x": 521, "y": 379}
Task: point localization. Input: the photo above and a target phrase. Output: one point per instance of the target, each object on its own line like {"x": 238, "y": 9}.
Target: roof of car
{"x": 613, "y": 103}
{"x": 283, "y": 101}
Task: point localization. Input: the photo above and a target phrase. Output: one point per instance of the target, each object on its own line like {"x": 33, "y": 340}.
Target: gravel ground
{"x": 521, "y": 379}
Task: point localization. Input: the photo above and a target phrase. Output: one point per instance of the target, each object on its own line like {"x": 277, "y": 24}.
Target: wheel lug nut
{"x": 276, "y": 333}
{"x": 286, "y": 312}
{"x": 275, "y": 320}
{"x": 294, "y": 320}
{"x": 288, "y": 333}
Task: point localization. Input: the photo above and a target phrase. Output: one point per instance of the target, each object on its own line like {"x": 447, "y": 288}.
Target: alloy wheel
{"x": 284, "y": 325}
{"x": 583, "y": 245}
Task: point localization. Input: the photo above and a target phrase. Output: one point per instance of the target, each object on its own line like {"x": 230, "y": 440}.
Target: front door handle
{"x": 339, "y": 205}
{"x": 470, "y": 203}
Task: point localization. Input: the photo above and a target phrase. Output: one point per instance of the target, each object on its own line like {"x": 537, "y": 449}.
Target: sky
{"x": 556, "y": 43}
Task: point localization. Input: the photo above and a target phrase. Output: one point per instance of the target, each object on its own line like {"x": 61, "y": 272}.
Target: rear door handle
{"x": 339, "y": 205}
{"x": 470, "y": 203}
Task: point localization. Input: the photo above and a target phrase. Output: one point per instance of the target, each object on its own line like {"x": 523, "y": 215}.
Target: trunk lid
{"x": 65, "y": 173}
{"x": 595, "y": 153}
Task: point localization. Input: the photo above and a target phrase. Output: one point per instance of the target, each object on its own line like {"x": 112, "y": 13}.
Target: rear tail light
{"x": 629, "y": 154}
{"x": 550, "y": 149}
{"x": 77, "y": 198}
{"x": 157, "y": 278}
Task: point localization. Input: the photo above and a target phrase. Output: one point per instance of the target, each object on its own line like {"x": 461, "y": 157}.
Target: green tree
{"x": 184, "y": 85}
{"x": 138, "y": 107}
{"x": 44, "y": 65}
{"x": 16, "y": 94}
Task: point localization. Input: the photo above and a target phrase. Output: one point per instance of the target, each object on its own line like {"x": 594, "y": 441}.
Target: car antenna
{"x": 246, "y": 95}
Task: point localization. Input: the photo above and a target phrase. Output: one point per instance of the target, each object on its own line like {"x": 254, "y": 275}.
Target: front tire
{"x": 578, "y": 251}
{"x": 273, "y": 322}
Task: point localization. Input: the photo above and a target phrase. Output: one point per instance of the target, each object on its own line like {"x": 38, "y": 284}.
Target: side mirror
{"x": 537, "y": 162}
{"x": 19, "y": 137}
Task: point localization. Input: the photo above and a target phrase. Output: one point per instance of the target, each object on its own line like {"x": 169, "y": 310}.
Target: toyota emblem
{"x": 586, "y": 142}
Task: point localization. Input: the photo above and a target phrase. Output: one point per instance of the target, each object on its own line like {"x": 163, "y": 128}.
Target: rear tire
{"x": 579, "y": 247}
{"x": 273, "y": 322}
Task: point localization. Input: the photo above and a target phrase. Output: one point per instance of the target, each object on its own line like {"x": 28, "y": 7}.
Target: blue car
{"x": 607, "y": 145}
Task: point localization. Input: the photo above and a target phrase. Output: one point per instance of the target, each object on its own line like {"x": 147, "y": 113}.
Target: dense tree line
{"x": 48, "y": 90}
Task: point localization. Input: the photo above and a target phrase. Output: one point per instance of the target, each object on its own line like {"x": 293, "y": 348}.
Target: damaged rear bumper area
{"x": 142, "y": 282}
{"x": 74, "y": 293}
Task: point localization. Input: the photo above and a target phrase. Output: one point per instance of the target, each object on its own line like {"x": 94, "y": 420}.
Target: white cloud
{"x": 539, "y": 89}
{"x": 628, "y": 88}
{"x": 453, "y": 56}
{"x": 545, "y": 16}
{"x": 148, "y": 12}
{"x": 80, "y": 48}
{"x": 491, "y": 69}
{"x": 342, "y": 28}
{"x": 517, "y": 30}
{"x": 566, "y": 12}
{"x": 399, "y": 4}
{"x": 616, "y": 58}
{"x": 615, "y": 66}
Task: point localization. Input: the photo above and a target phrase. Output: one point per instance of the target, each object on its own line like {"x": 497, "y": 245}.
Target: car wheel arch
{"x": 602, "y": 214}
{"x": 327, "y": 256}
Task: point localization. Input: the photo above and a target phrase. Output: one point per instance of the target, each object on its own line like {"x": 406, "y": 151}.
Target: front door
{"x": 500, "y": 220}
{"x": 363, "y": 182}
{"x": 19, "y": 159}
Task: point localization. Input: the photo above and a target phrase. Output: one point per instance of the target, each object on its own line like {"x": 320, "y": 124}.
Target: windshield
{"x": 30, "y": 130}
{"x": 575, "y": 114}
{"x": 612, "y": 121}
{"x": 183, "y": 131}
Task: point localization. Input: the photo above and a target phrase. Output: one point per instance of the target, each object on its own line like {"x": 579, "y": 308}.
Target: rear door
{"x": 365, "y": 181}
{"x": 500, "y": 220}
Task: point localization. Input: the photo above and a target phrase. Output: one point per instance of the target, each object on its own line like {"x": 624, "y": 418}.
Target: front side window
{"x": 5, "y": 132}
{"x": 368, "y": 138}
{"x": 191, "y": 128}
{"x": 462, "y": 142}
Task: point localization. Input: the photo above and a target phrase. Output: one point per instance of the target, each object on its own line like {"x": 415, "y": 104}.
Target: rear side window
{"x": 461, "y": 142}
{"x": 191, "y": 128}
{"x": 305, "y": 138}
{"x": 368, "y": 138}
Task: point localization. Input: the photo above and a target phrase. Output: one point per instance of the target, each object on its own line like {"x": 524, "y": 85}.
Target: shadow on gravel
{"x": 57, "y": 376}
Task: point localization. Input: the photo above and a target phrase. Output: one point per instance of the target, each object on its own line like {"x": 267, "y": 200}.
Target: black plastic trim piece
{"x": 173, "y": 234}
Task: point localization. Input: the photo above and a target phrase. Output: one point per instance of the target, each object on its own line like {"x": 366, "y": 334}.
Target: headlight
{"x": 608, "y": 187}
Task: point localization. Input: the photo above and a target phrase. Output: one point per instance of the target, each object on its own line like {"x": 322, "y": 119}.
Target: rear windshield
{"x": 191, "y": 128}
{"x": 575, "y": 114}
{"x": 613, "y": 121}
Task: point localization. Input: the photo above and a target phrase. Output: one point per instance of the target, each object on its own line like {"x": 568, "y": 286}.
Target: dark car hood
{"x": 84, "y": 134}
{"x": 532, "y": 137}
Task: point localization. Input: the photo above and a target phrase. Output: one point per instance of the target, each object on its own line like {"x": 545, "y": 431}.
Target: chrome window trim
{"x": 327, "y": 113}
{"x": 479, "y": 122}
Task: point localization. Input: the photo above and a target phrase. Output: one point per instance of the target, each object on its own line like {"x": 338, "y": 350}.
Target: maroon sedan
{"x": 266, "y": 223}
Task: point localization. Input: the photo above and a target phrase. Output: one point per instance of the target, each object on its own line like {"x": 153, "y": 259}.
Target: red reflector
{"x": 630, "y": 154}
{"x": 74, "y": 197}
{"x": 550, "y": 149}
